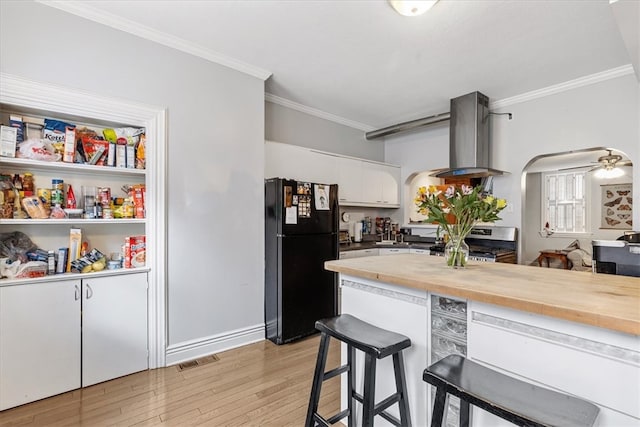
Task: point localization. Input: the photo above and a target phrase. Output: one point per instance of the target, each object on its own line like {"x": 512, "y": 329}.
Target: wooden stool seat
{"x": 519, "y": 402}
{"x": 363, "y": 336}
{"x": 376, "y": 343}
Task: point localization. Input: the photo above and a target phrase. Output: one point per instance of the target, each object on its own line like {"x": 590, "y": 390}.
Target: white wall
{"x": 416, "y": 152}
{"x": 289, "y": 126}
{"x": 601, "y": 114}
{"x": 215, "y": 263}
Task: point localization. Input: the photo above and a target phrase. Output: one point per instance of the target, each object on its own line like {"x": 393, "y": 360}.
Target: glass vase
{"x": 456, "y": 252}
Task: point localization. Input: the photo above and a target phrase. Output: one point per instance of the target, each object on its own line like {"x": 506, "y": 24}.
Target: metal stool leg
{"x": 465, "y": 413}
{"x": 439, "y": 406}
{"x": 401, "y": 387}
{"x": 368, "y": 396}
{"x": 351, "y": 384}
{"x": 318, "y": 376}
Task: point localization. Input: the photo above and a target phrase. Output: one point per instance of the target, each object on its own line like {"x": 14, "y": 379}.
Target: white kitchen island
{"x": 574, "y": 332}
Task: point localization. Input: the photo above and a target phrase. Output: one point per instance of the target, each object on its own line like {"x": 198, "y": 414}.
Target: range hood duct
{"x": 406, "y": 126}
{"x": 469, "y": 145}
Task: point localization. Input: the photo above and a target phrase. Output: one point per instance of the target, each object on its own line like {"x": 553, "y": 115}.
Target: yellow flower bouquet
{"x": 457, "y": 210}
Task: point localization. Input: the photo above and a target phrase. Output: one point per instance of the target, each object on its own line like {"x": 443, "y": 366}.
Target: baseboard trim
{"x": 189, "y": 350}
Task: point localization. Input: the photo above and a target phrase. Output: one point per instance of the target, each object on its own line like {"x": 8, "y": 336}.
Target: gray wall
{"x": 215, "y": 154}
{"x": 290, "y": 126}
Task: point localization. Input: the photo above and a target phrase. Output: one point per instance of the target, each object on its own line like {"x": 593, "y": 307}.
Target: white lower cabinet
{"x": 359, "y": 253}
{"x": 57, "y": 336}
{"x": 39, "y": 341}
{"x": 393, "y": 251}
{"x": 598, "y": 365}
{"x": 419, "y": 251}
{"x": 114, "y": 327}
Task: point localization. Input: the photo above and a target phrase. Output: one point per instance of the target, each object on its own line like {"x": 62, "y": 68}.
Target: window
{"x": 564, "y": 201}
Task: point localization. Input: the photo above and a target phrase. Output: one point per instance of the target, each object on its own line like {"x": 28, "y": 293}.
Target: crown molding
{"x": 562, "y": 87}
{"x": 18, "y": 91}
{"x": 317, "y": 113}
{"x": 85, "y": 10}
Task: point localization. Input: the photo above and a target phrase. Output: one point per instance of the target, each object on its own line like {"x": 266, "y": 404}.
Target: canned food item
{"x": 57, "y": 192}
{"x": 45, "y": 194}
{"x": 104, "y": 196}
{"x": 107, "y": 213}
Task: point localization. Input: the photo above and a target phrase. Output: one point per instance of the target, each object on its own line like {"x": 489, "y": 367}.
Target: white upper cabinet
{"x": 360, "y": 182}
{"x": 381, "y": 183}
{"x": 323, "y": 168}
{"x": 350, "y": 181}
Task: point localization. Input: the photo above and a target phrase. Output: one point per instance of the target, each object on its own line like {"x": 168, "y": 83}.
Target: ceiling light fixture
{"x": 412, "y": 7}
{"x": 609, "y": 172}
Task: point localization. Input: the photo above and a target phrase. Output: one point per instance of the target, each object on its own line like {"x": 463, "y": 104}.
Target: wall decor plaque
{"x": 617, "y": 203}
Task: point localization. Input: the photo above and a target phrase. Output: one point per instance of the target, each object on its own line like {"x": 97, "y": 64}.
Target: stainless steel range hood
{"x": 469, "y": 144}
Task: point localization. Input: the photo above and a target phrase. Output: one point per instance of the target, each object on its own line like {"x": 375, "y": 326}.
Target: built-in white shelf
{"x": 71, "y": 276}
{"x": 52, "y": 221}
{"x": 63, "y": 166}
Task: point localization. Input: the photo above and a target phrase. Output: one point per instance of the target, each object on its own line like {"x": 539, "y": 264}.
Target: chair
{"x": 519, "y": 402}
{"x": 376, "y": 343}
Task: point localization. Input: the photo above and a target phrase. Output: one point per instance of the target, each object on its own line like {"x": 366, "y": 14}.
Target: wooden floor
{"x": 260, "y": 384}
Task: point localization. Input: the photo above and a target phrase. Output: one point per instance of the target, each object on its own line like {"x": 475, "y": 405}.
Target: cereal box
{"x": 134, "y": 251}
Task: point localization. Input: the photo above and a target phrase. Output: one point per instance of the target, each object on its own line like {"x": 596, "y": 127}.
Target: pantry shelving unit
{"x": 110, "y": 300}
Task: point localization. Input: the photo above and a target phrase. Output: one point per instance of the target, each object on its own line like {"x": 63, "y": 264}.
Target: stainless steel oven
{"x": 489, "y": 244}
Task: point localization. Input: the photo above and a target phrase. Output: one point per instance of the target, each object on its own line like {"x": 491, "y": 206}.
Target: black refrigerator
{"x": 301, "y": 233}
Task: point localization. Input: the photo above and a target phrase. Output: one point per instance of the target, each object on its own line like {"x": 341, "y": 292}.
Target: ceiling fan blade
{"x": 624, "y": 163}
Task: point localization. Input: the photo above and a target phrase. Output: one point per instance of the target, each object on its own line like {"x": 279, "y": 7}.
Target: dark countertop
{"x": 345, "y": 247}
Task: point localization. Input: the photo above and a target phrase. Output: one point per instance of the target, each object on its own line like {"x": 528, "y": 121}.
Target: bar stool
{"x": 516, "y": 401}
{"x": 376, "y": 343}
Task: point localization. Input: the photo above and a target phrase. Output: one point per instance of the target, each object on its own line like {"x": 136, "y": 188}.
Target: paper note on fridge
{"x": 291, "y": 215}
{"x": 322, "y": 199}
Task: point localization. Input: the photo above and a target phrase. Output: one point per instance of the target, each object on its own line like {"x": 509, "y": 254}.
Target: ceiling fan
{"x": 607, "y": 166}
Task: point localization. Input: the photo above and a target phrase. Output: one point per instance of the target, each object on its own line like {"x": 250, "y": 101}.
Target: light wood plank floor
{"x": 261, "y": 384}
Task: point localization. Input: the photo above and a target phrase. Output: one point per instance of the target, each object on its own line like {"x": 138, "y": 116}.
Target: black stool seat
{"x": 516, "y": 401}
{"x": 363, "y": 336}
{"x": 376, "y": 343}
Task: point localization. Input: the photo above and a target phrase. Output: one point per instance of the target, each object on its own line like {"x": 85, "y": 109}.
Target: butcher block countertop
{"x": 604, "y": 300}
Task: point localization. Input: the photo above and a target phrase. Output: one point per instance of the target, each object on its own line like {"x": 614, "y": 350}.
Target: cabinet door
{"x": 349, "y": 181}
{"x": 380, "y": 184}
{"x": 372, "y": 183}
{"x": 287, "y": 161}
{"x": 322, "y": 168}
{"x": 419, "y": 251}
{"x": 39, "y": 341}
{"x": 114, "y": 327}
{"x": 390, "y": 178}
{"x": 368, "y": 252}
{"x": 393, "y": 251}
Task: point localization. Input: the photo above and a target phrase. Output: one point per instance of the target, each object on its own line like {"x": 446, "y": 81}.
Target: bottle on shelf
{"x": 57, "y": 192}
{"x": 71, "y": 198}
{"x": 27, "y": 184}
{"x": 17, "y": 182}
